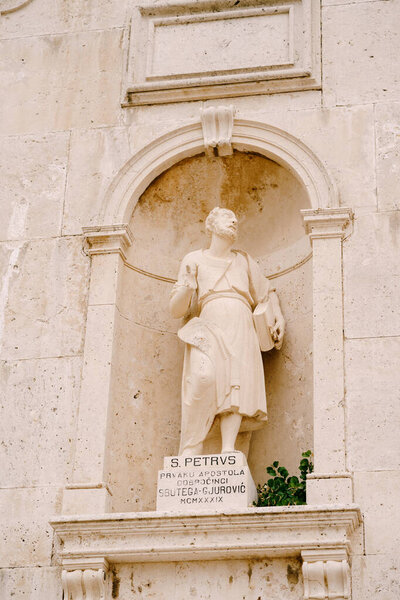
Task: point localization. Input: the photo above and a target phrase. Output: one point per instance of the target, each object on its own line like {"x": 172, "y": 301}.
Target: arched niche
{"x": 167, "y": 222}
{"x": 110, "y": 358}
{"x": 184, "y": 142}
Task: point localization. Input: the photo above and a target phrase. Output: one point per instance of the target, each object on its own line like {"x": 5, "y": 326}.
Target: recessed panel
{"x": 215, "y": 49}
{"x": 226, "y": 44}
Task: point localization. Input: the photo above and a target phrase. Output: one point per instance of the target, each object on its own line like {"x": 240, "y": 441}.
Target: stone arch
{"x": 184, "y": 142}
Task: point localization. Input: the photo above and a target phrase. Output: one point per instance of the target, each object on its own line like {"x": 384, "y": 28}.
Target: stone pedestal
{"x": 154, "y": 543}
{"x": 202, "y": 482}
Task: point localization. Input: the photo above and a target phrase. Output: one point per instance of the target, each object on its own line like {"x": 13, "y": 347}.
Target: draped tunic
{"x": 221, "y": 326}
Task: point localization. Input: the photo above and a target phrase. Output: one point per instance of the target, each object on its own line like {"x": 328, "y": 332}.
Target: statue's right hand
{"x": 190, "y": 279}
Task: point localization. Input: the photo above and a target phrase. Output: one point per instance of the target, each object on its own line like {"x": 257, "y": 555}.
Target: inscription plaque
{"x": 191, "y": 483}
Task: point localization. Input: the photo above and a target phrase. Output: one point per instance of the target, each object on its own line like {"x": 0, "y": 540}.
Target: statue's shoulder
{"x": 252, "y": 265}
{"x": 246, "y": 256}
{"x": 241, "y": 253}
{"x": 192, "y": 257}
{"x": 243, "y": 256}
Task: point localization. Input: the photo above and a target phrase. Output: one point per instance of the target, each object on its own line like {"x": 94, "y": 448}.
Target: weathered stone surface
{"x": 387, "y": 117}
{"x": 31, "y": 583}
{"x": 45, "y": 396}
{"x": 344, "y": 139}
{"x": 359, "y": 65}
{"x": 32, "y": 182}
{"x": 373, "y": 403}
{"x": 212, "y": 580}
{"x": 95, "y": 156}
{"x": 26, "y": 536}
{"x": 146, "y": 388}
{"x": 41, "y": 17}
{"x": 43, "y": 298}
{"x": 61, "y": 81}
{"x": 376, "y": 576}
{"x": 371, "y": 274}
{"x": 378, "y": 494}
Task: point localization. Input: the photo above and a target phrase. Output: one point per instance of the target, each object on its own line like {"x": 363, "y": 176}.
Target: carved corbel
{"x": 84, "y": 584}
{"x": 217, "y": 124}
{"x": 326, "y": 575}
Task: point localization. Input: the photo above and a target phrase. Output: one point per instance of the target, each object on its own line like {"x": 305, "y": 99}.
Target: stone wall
{"x": 65, "y": 136}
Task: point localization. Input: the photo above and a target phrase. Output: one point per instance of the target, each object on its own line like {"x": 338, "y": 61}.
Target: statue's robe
{"x": 227, "y": 292}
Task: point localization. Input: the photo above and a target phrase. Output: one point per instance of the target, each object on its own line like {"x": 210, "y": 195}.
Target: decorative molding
{"x": 326, "y": 575}
{"x": 208, "y": 535}
{"x": 171, "y": 280}
{"x": 247, "y": 136}
{"x": 9, "y": 6}
{"x": 84, "y": 583}
{"x": 94, "y": 563}
{"x": 268, "y": 46}
{"x": 108, "y": 239}
{"x": 326, "y": 222}
{"x": 217, "y": 125}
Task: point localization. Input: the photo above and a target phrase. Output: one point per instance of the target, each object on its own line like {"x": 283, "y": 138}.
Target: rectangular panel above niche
{"x": 204, "y": 50}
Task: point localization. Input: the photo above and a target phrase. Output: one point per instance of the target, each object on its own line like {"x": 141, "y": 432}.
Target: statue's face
{"x": 226, "y": 225}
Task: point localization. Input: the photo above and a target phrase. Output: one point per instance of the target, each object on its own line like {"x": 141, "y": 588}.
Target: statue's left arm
{"x": 262, "y": 290}
{"x": 278, "y": 330}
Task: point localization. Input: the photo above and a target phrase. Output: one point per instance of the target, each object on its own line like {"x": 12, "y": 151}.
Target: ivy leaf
{"x": 275, "y": 484}
{"x": 271, "y": 471}
{"x": 275, "y": 464}
{"x": 293, "y": 481}
{"x": 284, "y": 472}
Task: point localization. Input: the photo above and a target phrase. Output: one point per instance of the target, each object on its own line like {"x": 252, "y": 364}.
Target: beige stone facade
{"x": 107, "y": 171}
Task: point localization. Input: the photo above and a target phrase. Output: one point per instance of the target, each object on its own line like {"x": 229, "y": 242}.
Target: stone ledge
{"x": 206, "y": 535}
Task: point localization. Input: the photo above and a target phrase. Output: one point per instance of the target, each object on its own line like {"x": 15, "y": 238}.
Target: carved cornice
{"x": 108, "y": 239}
{"x": 256, "y": 532}
{"x": 326, "y": 222}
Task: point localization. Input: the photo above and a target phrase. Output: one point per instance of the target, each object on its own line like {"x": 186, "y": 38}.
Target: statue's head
{"x": 222, "y": 222}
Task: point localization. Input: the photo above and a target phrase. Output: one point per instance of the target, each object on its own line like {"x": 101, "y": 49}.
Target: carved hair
{"x": 213, "y": 216}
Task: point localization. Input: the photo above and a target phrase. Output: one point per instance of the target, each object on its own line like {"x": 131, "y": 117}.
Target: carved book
{"x": 263, "y": 318}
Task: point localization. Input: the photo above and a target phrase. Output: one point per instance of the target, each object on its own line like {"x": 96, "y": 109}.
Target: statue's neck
{"x": 220, "y": 247}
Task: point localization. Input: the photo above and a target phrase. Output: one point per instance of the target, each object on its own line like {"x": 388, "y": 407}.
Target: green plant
{"x": 282, "y": 489}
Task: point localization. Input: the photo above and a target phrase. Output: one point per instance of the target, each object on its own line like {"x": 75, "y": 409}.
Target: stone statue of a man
{"x": 217, "y": 289}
